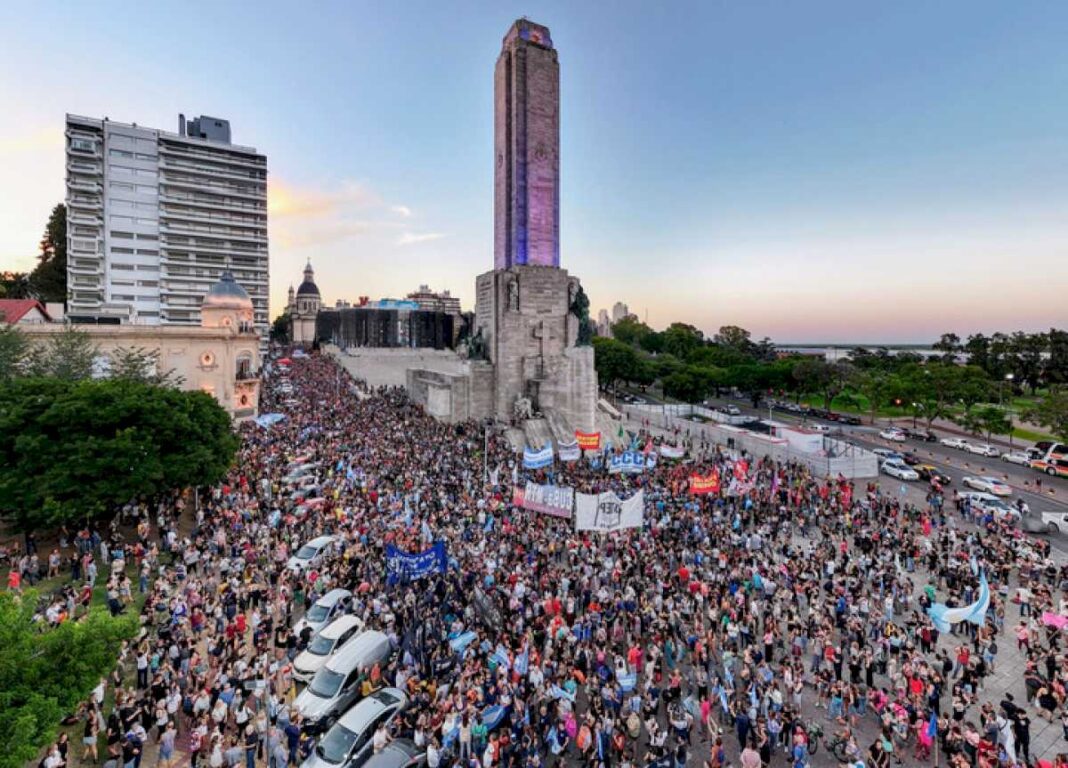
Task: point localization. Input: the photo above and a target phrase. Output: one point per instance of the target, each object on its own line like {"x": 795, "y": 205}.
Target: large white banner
{"x": 607, "y": 512}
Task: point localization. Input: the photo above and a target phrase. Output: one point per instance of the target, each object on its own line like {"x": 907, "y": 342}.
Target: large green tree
{"x": 75, "y": 450}
{"x": 44, "y": 675}
{"x": 49, "y": 277}
{"x": 615, "y": 361}
{"x": 1051, "y": 412}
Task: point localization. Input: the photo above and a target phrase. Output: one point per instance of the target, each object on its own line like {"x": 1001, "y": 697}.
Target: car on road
{"x": 326, "y": 643}
{"x": 1052, "y": 522}
{"x": 983, "y": 449}
{"x": 922, "y": 435}
{"x": 821, "y": 428}
{"x": 986, "y": 503}
{"x": 1016, "y": 457}
{"x": 887, "y": 455}
{"x": 893, "y": 435}
{"x": 311, "y": 553}
{"x": 954, "y": 442}
{"x": 900, "y": 470}
{"x": 932, "y": 474}
{"x": 348, "y": 741}
{"x": 986, "y": 484}
{"x": 910, "y": 458}
{"x": 853, "y": 421}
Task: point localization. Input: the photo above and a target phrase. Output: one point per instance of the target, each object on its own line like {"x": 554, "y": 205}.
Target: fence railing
{"x": 836, "y": 457}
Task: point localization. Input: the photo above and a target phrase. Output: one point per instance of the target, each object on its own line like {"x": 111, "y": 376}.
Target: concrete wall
{"x": 837, "y": 456}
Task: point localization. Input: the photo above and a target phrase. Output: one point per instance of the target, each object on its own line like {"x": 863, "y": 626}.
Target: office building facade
{"x": 154, "y": 219}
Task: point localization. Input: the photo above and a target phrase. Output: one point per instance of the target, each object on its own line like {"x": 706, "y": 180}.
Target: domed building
{"x": 221, "y": 357}
{"x": 302, "y": 309}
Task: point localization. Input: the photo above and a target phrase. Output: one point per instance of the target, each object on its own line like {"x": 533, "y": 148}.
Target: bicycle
{"x": 814, "y": 732}
{"x": 839, "y": 747}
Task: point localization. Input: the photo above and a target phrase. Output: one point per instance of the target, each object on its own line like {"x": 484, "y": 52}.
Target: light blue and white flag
{"x": 538, "y": 459}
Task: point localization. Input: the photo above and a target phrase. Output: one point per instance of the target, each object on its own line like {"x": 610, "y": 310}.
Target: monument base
{"x": 527, "y": 358}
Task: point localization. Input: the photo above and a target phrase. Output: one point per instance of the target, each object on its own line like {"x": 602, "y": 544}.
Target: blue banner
{"x": 537, "y": 459}
{"x": 402, "y": 566}
{"x": 631, "y": 462}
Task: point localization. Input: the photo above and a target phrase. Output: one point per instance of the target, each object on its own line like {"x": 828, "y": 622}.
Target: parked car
{"x": 954, "y": 442}
{"x": 336, "y": 686}
{"x": 900, "y": 470}
{"x": 893, "y": 435}
{"x": 983, "y": 449}
{"x": 853, "y": 421}
{"x": 887, "y": 455}
{"x": 348, "y": 741}
{"x": 985, "y": 502}
{"x": 932, "y": 474}
{"x": 311, "y": 553}
{"x": 910, "y": 458}
{"x": 324, "y": 610}
{"x": 920, "y": 434}
{"x": 326, "y": 643}
{"x": 1016, "y": 457}
{"x": 399, "y": 753}
{"x": 733, "y": 410}
{"x": 987, "y": 484}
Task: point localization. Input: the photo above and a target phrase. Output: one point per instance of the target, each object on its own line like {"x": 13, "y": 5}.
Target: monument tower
{"x": 533, "y": 317}
{"x": 529, "y": 358}
{"x": 526, "y": 132}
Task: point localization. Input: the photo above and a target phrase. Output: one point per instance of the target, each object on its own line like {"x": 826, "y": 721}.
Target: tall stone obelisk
{"x": 526, "y": 181}
{"x": 532, "y": 316}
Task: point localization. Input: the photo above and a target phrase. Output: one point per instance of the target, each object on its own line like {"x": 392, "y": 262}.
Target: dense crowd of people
{"x": 783, "y": 615}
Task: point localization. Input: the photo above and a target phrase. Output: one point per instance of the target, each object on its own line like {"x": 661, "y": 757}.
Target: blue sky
{"x": 826, "y": 171}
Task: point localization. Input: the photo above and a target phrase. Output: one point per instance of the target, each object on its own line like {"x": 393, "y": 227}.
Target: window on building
{"x": 82, "y": 145}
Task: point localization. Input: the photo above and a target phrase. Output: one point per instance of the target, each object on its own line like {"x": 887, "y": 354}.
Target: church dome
{"x": 227, "y": 294}
{"x": 308, "y": 287}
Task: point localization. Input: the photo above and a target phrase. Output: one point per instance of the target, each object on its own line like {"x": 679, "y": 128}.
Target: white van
{"x": 335, "y": 687}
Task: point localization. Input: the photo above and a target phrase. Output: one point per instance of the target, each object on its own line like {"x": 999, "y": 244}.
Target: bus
{"x": 1050, "y": 458}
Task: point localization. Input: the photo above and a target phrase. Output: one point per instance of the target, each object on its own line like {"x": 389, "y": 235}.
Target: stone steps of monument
{"x": 516, "y": 437}
{"x": 562, "y": 431}
{"x": 537, "y": 432}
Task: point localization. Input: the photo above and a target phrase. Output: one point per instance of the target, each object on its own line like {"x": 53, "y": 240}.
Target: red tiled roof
{"x": 13, "y": 310}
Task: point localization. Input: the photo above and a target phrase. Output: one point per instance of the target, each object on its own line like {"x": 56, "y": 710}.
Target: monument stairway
{"x": 537, "y": 432}
{"x": 562, "y": 431}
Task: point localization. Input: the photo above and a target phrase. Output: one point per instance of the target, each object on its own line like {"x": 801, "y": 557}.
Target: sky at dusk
{"x": 815, "y": 172}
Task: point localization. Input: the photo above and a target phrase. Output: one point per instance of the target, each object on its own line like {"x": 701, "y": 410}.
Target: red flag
{"x": 707, "y": 484}
{"x": 741, "y": 469}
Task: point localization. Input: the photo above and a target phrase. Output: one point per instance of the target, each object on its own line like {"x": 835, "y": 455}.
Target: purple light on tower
{"x": 526, "y": 129}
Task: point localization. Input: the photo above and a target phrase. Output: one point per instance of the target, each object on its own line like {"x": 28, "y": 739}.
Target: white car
{"x": 887, "y": 454}
{"x": 900, "y": 470}
{"x": 733, "y": 410}
{"x": 1016, "y": 457}
{"x": 893, "y": 435}
{"x": 987, "y": 484}
{"x": 954, "y": 442}
{"x": 311, "y": 553}
{"x": 983, "y": 449}
{"x": 325, "y": 644}
{"x": 324, "y": 610}
{"x": 1055, "y": 522}
{"x": 984, "y": 502}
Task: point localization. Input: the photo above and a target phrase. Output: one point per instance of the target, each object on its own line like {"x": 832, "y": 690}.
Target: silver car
{"x": 336, "y": 686}
{"x": 348, "y": 742}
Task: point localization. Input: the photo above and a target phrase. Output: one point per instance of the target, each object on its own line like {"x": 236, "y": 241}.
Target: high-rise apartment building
{"x": 435, "y": 302}
{"x": 154, "y": 218}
